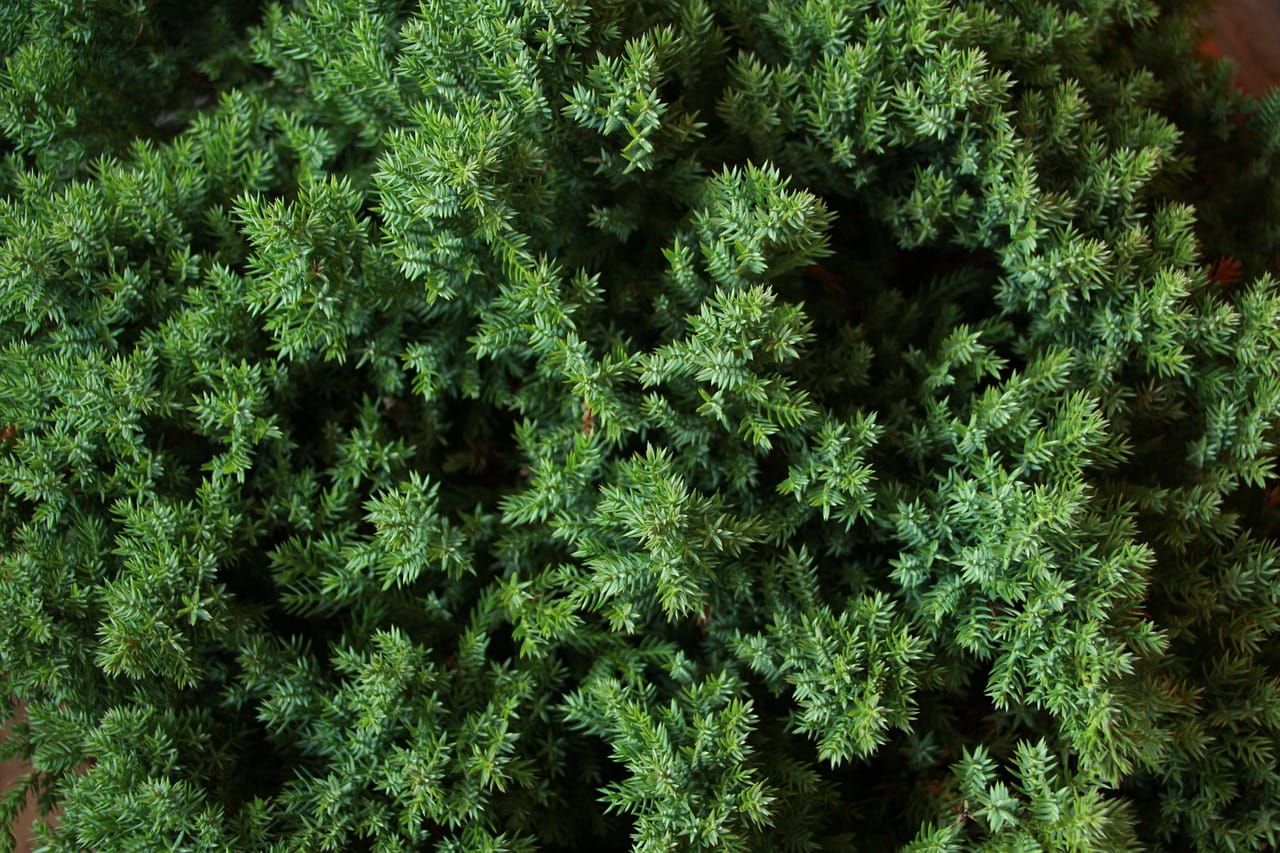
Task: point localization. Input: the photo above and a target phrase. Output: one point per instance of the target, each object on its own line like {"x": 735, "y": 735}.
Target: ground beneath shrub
{"x": 1248, "y": 32}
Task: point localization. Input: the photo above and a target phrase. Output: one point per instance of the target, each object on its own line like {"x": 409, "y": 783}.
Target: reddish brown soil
{"x": 1248, "y": 33}
{"x": 10, "y": 772}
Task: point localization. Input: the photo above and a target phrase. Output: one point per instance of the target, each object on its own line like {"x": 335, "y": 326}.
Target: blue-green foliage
{"x": 506, "y": 425}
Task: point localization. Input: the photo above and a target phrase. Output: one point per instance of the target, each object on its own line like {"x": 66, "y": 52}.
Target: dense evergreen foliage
{"x": 511, "y": 425}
